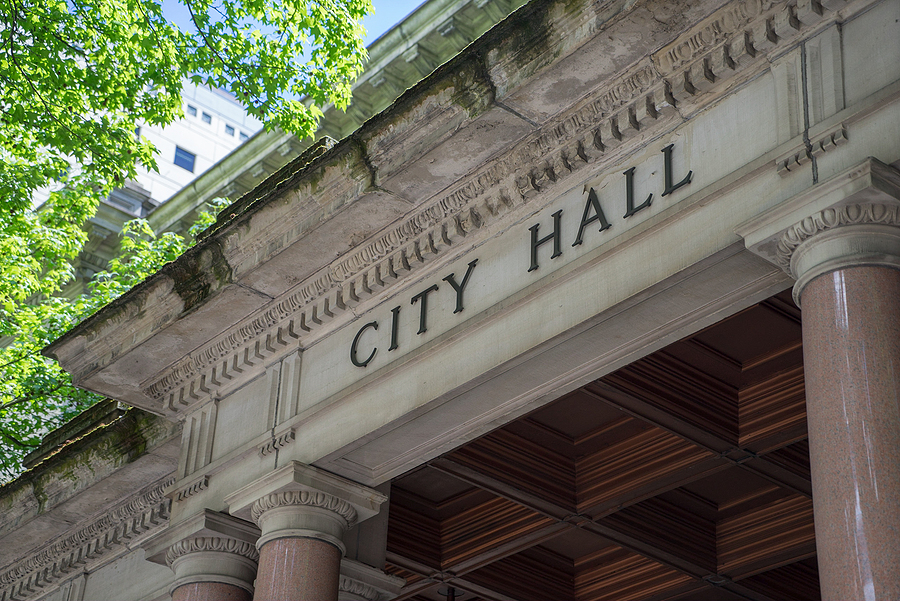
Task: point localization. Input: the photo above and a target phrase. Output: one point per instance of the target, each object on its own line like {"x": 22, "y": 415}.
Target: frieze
{"x": 146, "y": 512}
{"x": 702, "y": 60}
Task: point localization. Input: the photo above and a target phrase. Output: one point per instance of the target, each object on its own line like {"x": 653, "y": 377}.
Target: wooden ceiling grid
{"x": 684, "y": 475}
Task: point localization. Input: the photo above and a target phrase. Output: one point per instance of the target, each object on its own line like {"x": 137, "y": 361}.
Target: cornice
{"x": 112, "y": 532}
{"x": 307, "y": 499}
{"x": 647, "y": 97}
{"x": 214, "y": 544}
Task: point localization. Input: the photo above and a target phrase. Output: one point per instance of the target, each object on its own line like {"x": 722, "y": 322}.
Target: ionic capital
{"x": 305, "y": 498}
{"x": 849, "y": 220}
{"x": 840, "y": 237}
{"x": 211, "y": 544}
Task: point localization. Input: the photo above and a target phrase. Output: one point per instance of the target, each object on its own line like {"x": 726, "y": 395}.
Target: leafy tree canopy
{"x": 77, "y": 77}
{"x": 36, "y": 395}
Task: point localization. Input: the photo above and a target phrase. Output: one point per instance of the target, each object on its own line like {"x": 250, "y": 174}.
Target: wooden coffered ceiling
{"x": 682, "y": 476}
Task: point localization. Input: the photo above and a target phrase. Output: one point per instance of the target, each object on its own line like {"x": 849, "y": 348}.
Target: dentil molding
{"x": 101, "y": 540}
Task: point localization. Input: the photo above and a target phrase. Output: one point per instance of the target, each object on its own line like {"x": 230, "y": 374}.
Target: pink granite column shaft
{"x": 298, "y": 569}
{"x": 210, "y": 591}
{"x": 851, "y": 350}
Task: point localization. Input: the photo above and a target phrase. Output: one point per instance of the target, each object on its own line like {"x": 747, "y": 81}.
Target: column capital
{"x": 213, "y": 559}
{"x": 305, "y": 498}
{"x": 301, "y": 501}
{"x": 850, "y": 220}
{"x": 211, "y": 544}
{"x": 210, "y": 548}
{"x": 205, "y": 525}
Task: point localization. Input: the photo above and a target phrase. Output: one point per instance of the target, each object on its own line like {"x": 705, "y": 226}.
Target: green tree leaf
{"x": 77, "y": 77}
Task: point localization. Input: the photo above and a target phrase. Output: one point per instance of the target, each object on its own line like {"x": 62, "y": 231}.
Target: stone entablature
{"x": 369, "y": 222}
{"x": 90, "y": 500}
{"x": 652, "y": 96}
{"x": 96, "y": 542}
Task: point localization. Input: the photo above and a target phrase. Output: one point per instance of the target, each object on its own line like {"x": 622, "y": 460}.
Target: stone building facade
{"x": 603, "y": 308}
{"x": 233, "y": 153}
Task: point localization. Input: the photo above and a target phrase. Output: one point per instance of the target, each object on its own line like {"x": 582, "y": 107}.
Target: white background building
{"x": 214, "y": 124}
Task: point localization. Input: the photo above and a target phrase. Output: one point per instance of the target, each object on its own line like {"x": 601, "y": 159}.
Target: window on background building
{"x": 244, "y": 137}
{"x": 192, "y": 110}
{"x": 137, "y": 132}
{"x": 229, "y": 130}
{"x": 207, "y": 118}
{"x": 184, "y": 159}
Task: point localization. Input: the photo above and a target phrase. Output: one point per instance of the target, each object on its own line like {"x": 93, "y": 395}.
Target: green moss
{"x": 88, "y": 459}
{"x": 198, "y": 274}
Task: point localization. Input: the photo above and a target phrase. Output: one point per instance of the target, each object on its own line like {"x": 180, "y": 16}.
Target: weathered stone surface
{"x": 499, "y": 125}
{"x": 56, "y": 484}
{"x": 101, "y": 414}
{"x": 86, "y": 500}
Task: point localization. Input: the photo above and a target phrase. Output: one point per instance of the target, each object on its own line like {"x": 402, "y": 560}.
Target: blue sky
{"x": 387, "y": 14}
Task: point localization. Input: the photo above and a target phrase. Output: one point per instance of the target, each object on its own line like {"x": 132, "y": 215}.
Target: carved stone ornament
{"x": 106, "y": 536}
{"x": 277, "y": 442}
{"x": 305, "y": 498}
{"x": 854, "y": 214}
{"x": 360, "y": 589}
{"x": 213, "y": 544}
{"x": 648, "y": 95}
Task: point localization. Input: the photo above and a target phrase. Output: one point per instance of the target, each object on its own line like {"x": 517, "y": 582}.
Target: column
{"x": 212, "y": 568}
{"x": 301, "y": 547}
{"x": 849, "y": 289}
{"x": 303, "y": 513}
{"x": 840, "y": 241}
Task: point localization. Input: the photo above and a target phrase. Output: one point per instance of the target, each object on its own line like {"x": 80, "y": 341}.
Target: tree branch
{"x": 31, "y": 397}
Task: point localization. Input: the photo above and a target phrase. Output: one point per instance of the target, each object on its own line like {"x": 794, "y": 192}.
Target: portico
{"x": 530, "y": 334}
